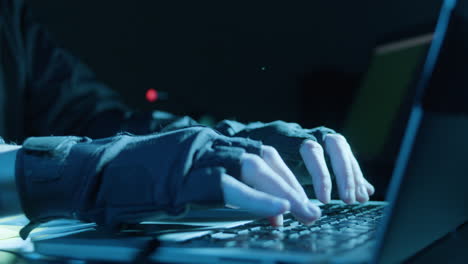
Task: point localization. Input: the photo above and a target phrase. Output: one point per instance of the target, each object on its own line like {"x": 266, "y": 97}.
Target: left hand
{"x": 352, "y": 186}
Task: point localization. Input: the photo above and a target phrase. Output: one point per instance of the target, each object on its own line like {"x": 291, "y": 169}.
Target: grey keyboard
{"x": 341, "y": 227}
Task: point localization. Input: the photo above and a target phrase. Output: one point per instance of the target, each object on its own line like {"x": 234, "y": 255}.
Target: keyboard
{"x": 342, "y": 227}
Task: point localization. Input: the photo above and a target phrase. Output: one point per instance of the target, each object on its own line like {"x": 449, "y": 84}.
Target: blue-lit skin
{"x": 270, "y": 189}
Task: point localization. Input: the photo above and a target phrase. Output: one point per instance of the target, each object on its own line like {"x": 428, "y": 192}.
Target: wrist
{"x": 9, "y": 199}
{"x": 8, "y": 160}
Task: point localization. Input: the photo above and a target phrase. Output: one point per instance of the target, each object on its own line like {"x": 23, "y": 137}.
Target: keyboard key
{"x": 342, "y": 227}
{"x": 293, "y": 236}
{"x": 221, "y": 235}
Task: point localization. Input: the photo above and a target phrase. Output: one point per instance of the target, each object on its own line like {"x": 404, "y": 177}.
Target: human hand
{"x": 270, "y": 188}
{"x": 267, "y": 187}
{"x": 352, "y": 186}
{"x": 296, "y": 143}
{"x": 126, "y": 178}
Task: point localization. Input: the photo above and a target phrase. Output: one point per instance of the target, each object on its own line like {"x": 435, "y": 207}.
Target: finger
{"x": 255, "y": 172}
{"x": 337, "y": 149}
{"x": 314, "y": 160}
{"x": 271, "y": 156}
{"x": 276, "y": 220}
{"x": 238, "y": 195}
{"x": 370, "y": 188}
{"x": 362, "y": 192}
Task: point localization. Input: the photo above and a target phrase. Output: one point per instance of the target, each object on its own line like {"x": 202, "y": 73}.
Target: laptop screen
{"x": 377, "y": 103}
{"x": 427, "y": 196}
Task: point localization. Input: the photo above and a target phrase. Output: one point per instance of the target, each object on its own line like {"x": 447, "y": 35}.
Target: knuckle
{"x": 269, "y": 152}
{"x": 327, "y": 186}
{"x": 252, "y": 163}
{"x": 360, "y": 182}
{"x": 337, "y": 138}
{"x": 279, "y": 123}
{"x": 312, "y": 146}
{"x": 291, "y": 195}
{"x": 350, "y": 187}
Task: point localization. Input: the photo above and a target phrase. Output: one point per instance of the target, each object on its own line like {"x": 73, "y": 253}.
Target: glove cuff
{"x": 125, "y": 178}
{"x": 45, "y": 191}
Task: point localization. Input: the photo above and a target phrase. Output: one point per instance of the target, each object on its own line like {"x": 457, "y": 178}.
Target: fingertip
{"x": 307, "y": 143}
{"x": 370, "y": 189}
{"x": 276, "y": 220}
{"x": 323, "y": 191}
{"x": 349, "y": 196}
{"x": 324, "y": 198}
{"x": 314, "y": 210}
{"x": 361, "y": 194}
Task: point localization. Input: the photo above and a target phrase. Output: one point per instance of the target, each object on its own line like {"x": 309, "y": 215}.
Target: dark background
{"x": 249, "y": 60}
{"x": 298, "y": 61}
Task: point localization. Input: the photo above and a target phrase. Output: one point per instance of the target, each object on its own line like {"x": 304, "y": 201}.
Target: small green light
{"x": 263, "y": 68}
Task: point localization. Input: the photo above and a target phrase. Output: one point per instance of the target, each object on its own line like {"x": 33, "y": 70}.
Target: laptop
{"x": 425, "y": 201}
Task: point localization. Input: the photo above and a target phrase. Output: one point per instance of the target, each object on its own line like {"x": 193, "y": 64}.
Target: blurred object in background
{"x": 152, "y": 95}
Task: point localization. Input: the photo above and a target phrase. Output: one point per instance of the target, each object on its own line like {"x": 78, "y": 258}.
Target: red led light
{"x": 151, "y": 95}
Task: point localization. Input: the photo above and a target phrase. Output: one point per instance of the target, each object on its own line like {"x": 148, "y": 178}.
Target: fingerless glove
{"x": 126, "y": 178}
{"x": 283, "y": 136}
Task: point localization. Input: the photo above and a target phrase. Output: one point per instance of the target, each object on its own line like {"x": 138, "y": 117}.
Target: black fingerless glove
{"x": 125, "y": 179}
{"x": 285, "y": 137}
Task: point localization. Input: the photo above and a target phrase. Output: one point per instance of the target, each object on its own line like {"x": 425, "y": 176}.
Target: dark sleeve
{"x": 61, "y": 94}
{"x": 73, "y": 102}
{"x": 63, "y": 97}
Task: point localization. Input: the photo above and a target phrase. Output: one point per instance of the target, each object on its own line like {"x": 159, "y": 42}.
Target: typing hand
{"x": 295, "y": 143}
{"x": 268, "y": 188}
{"x": 352, "y": 186}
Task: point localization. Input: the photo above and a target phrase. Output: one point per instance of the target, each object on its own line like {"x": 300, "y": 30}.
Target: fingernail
{"x": 276, "y": 221}
{"x": 350, "y": 196}
{"x": 359, "y": 192}
{"x": 372, "y": 189}
{"x": 363, "y": 193}
{"x": 324, "y": 197}
{"x": 313, "y": 210}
